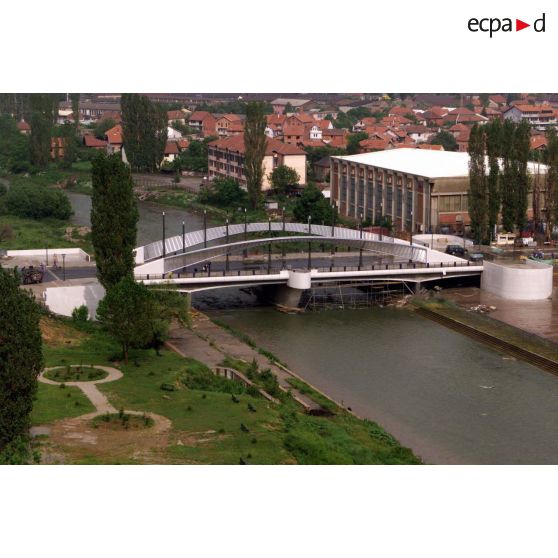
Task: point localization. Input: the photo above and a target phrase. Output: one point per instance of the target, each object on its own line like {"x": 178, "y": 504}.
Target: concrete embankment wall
{"x": 63, "y": 300}
{"x": 529, "y": 281}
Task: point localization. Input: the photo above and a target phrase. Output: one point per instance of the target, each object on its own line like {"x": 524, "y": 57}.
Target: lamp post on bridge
{"x": 269, "y": 247}
{"x": 309, "y": 243}
{"x": 205, "y": 228}
{"x": 164, "y": 237}
{"x": 227, "y": 242}
{"x": 360, "y": 252}
{"x": 282, "y": 243}
{"x": 245, "y": 224}
{"x": 183, "y": 237}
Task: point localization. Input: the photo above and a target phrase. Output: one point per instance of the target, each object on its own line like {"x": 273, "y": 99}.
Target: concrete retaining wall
{"x": 521, "y": 281}
{"x": 72, "y": 254}
{"x": 63, "y": 300}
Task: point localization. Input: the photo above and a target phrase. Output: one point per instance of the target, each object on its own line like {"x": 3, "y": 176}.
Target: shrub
{"x": 80, "y": 314}
{"x": 37, "y": 202}
{"x": 224, "y": 192}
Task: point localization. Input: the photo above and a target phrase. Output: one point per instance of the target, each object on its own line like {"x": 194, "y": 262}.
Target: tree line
{"x": 499, "y": 180}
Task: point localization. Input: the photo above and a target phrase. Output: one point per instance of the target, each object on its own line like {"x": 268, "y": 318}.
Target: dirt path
{"x": 79, "y": 439}
{"x": 210, "y": 343}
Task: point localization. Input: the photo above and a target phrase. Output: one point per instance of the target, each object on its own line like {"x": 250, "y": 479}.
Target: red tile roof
{"x": 91, "y": 141}
{"x": 171, "y": 148}
{"x": 175, "y": 115}
{"x": 236, "y": 143}
{"x": 114, "y": 135}
{"x": 23, "y": 126}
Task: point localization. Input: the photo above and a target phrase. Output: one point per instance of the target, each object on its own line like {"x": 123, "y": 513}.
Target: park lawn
{"x": 55, "y": 403}
{"x": 209, "y": 427}
{"x": 34, "y": 234}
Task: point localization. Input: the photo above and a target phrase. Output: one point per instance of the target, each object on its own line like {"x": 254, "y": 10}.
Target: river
{"x": 449, "y": 398}
{"x": 150, "y": 224}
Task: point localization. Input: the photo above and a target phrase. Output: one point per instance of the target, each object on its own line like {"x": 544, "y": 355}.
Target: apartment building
{"x": 418, "y": 189}
{"x": 226, "y": 159}
{"x": 538, "y": 116}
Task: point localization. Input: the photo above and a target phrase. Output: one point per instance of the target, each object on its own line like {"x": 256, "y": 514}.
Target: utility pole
{"x": 164, "y": 238}
{"x": 204, "y": 228}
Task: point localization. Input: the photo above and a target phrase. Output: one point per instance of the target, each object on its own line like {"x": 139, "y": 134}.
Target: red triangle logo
{"x": 519, "y": 25}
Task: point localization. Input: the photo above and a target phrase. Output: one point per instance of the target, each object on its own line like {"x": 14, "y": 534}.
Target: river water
{"x": 150, "y": 225}
{"x": 449, "y": 398}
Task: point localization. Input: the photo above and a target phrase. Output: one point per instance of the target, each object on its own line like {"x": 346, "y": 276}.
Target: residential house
{"x": 226, "y": 159}
{"x": 538, "y": 116}
{"x": 203, "y": 122}
{"x": 228, "y": 125}
{"x": 280, "y": 104}
{"x": 90, "y": 141}
{"x": 114, "y": 139}
{"x": 173, "y": 134}
{"x": 171, "y": 152}
{"x": 24, "y": 127}
{"x": 179, "y": 116}
{"x": 419, "y": 133}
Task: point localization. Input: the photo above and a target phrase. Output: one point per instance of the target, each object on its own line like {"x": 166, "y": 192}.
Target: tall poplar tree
{"x": 144, "y": 128}
{"x": 41, "y": 117}
{"x": 508, "y": 177}
{"x": 478, "y": 195}
{"x": 493, "y": 150}
{"x": 114, "y": 218}
{"x": 255, "y": 142}
{"x": 551, "y": 191}
{"x": 521, "y": 150}
{"x": 21, "y": 359}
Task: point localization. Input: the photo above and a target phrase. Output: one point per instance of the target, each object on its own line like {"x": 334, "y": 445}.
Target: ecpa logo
{"x": 494, "y": 24}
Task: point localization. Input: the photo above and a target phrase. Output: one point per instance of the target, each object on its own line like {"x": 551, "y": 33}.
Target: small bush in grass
{"x": 80, "y": 314}
{"x": 254, "y": 441}
{"x": 62, "y": 385}
{"x": 168, "y": 387}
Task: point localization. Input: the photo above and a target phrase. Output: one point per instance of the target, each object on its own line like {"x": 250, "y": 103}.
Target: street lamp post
{"x": 204, "y": 228}
{"x": 245, "y": 224}
{"x": 269, "y": 248}
{"x": 164, "y": 237}
{"x": 183, "y": 237}
{"x": 360, "y": 252}
{"x": 309, "y": 243}
{"x": 226, "y": 242}
{"x": 282, "y": 243}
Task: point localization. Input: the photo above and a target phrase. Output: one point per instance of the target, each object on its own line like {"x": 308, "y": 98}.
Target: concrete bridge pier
{"x": 287, "y": 296}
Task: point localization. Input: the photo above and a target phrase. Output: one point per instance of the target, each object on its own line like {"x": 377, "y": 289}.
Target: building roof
{"x": 171, "y": 148}
{"x": 292, "y": 102}
{"x": 200, "y": 115}
{"x": 114, "y": 135}
{"x": 420, "y": 162}
{"x": 91, "y": 141}
{"x": 175, "y": 115}
{"x": 236, "y": 143}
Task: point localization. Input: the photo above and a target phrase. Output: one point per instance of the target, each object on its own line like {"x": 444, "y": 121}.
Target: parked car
{"x": 476, "y": 257}
{"x": 455, "y": 250}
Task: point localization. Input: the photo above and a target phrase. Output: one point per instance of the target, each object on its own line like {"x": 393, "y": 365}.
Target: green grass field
{"x": 54, "y": 403}
{"x": 211, "y": 425}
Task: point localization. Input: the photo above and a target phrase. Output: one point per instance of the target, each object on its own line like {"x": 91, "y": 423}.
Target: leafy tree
{"x": 282, "y": 177}
{"x": 14, "y": 147}
{"x": 144, "y": 128}
{"x": 478, "y": 196}
{"x": 522, "y": 146}
{"x": 508, "y": 178}
{"x": 493, "y": 150}
{"x": 312, "y": 203}
{"x": 551, "y": 197}
{"x": 21, "y": 359}
{"x": 446, "y": 139}
{"x": 483, "y": 97}
{"x": 37, "y": 202}
{"x": 103, "y": 126}
{"x": 74, "y": 98}
{"x": 255, "y": 142}
{"x": 114, "y": 217}
{"x": 353, "y": 142}
{"x": 195, "y": 157}
{"x": 314, "y": 154}
{"x": 128, "y": 312}
{"x": 223, "y": 192}
{"x": 68, "y": 134}
{"x": 41, "y": 120}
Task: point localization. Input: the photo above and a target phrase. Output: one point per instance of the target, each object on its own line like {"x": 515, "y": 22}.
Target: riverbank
{"x": 501, "y": 336}
{"x": 214, "y": 420}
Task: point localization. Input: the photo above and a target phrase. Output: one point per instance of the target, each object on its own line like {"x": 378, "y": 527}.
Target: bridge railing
{"x": 274, "y": 270}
